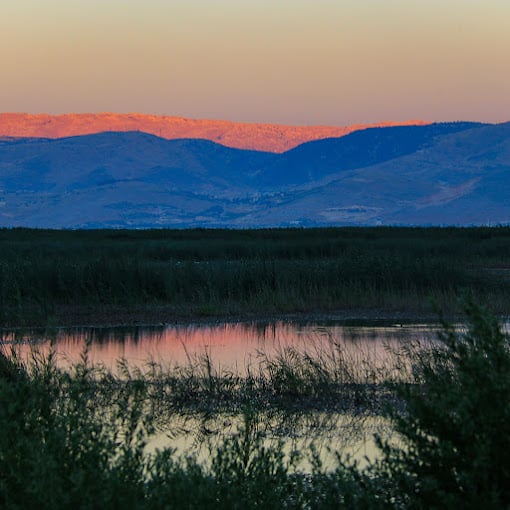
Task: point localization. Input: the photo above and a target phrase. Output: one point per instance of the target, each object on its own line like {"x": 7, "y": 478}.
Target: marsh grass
{"x": 78, "y": 437}
{"x": 325, "y": 377}
{"x": 47, "y": 274}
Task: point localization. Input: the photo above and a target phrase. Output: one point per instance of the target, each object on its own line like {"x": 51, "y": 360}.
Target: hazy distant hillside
{"x": 313, "y": 161}
{"x": 461, "y": 178}
{"x": 108, "y": 158}
{"x": 261, "y": 137}
{"x": 457, "y": 173}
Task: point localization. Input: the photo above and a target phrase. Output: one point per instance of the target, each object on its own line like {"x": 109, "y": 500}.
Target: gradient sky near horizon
{"x": 285, "y": 61}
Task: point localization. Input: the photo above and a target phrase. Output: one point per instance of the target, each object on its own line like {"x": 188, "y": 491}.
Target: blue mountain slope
{"x": 106, "y": 158}
{"x": 313, "y": 161}
{"x": 440, "y": 174}
{"x": 461, "y": 178}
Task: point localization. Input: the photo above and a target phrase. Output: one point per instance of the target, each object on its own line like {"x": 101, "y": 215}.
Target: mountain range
{"x": 239, "y": 135}
{"x": 430, "y": 174}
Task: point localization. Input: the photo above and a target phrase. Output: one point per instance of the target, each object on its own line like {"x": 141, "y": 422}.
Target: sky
{"x": 304, "y": 62}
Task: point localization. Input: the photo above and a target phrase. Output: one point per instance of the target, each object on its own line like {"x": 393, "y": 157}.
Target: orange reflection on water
{"x": 233, "y": 346}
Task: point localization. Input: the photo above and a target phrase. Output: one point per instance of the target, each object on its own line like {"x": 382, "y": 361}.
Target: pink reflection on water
{"x": 229, "y": 345}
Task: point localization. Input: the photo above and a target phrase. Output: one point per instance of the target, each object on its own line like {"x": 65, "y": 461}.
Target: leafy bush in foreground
{"x": 64, "y": 445}
{"x": 455, "y": 431}
{"x": 59, "y": 448}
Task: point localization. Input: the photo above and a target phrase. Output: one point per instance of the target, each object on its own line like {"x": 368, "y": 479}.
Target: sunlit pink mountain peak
{"x": 262, "y": 137}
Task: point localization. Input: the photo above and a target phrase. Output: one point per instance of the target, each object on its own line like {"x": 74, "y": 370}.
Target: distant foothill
{"x": 454, "y": 173}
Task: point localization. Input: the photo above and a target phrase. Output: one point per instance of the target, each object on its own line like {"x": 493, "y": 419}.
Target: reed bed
{"x": 78, "y": 437}
{"x": 46, "y": 276}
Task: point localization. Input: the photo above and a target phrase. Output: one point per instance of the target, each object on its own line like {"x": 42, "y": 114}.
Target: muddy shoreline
{"x": 111, "y": 316}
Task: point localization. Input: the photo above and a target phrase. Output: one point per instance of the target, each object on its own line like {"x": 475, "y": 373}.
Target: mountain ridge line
{"x": 267, "y": 137}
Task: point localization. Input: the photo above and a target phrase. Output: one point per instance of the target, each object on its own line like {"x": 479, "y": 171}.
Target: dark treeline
{"x": 232, "y": 272}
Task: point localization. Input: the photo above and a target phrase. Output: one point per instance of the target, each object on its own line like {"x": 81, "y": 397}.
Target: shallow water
{"x": 324, "y": 435}
{"x": 239, "y": 347}
{"x": 232, "y": 346}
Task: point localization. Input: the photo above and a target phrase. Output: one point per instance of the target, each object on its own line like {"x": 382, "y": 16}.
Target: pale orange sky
{"x": 287, "y": 61}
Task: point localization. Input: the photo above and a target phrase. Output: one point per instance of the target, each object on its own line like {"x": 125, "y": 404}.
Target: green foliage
{"x": 77, "y": 438}
{"x": 455, "y": 430}
{"x": 346, "y": 487}
{"x": 59, "y": 448}
{"x": 46, "y": 273}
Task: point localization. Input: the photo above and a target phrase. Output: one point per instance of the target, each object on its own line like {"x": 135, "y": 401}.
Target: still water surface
{"x": 239, "y": 347}
{"x": 233, "y": 346}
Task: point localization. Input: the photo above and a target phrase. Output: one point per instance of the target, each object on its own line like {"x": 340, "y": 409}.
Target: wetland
{"x": 286, "y": 367}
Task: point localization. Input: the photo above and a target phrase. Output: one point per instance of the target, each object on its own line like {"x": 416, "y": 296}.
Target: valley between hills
{"x": 238, "y": 135}
{"x": 54, "y": 175}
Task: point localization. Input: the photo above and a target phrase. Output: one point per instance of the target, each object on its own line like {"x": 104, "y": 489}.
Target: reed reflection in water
{"x": 364, "y": 353}
{"x": 231, "y": 346}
